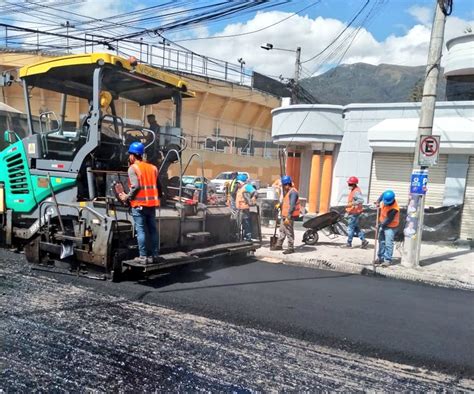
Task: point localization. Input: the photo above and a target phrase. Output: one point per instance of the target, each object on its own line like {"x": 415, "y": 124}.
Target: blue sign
{"x": 419, "y": 182}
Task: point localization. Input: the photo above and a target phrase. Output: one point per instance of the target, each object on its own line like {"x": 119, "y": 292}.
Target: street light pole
{"x": 411, "y": 256}
{"x": 294, "y": 91}
{"x": 294, "y": 87}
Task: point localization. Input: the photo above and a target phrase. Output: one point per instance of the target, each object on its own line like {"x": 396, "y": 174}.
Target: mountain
{"x": 365, "y": 83}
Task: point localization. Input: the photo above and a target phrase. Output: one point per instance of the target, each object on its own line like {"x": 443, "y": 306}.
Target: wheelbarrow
{"x": 320, "y": 222}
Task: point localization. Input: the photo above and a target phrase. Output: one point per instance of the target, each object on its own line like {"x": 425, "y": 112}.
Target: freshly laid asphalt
{"x": 395, "y": 320}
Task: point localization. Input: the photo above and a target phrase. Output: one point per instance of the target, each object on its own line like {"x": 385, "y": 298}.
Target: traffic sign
{"x": 429, "y": 150}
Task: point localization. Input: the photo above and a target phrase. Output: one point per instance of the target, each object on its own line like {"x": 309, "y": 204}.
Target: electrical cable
{"x": 251, "y": 32}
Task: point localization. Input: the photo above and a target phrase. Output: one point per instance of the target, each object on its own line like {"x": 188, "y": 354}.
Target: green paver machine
{"x": 56, "y": 199}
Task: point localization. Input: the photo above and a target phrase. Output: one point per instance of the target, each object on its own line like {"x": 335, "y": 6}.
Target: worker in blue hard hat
{"x": 389, "y": 219}
{"x": 144, "y": 198}
{"x": 290, "y": 210}
{"x": 245, "y": 198}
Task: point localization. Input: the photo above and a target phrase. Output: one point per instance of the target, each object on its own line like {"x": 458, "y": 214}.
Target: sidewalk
{"x": 440, "y": 265}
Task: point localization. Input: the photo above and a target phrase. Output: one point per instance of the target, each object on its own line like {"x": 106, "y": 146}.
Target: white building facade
{"x": 376, "y": 142}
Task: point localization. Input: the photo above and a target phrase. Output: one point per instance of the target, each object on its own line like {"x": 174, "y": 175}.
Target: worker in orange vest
{"x": 144, "y": 198}
{"x": 353, "y": 210}
{"x": 245, "y": 198}
{"x": 389, "y": 219}
{"x": 290, "y": 210}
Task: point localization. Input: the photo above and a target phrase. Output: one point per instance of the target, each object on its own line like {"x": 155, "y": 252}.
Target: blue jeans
{"x": 145, "y": 228}
{"x": 353, "y": 229}
{"x": 386, "y": 239}
{"x": 246, "y": 224}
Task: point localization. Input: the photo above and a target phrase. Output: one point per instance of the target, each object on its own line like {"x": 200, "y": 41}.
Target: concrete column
{"x": 293, "y": 165}
{"x": 314, "y": 182}
{"x": 326, "y": 183}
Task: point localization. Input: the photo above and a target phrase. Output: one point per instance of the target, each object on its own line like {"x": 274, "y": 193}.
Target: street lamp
{"x": 269, "y": 47}
{"x": 242, "y": 62}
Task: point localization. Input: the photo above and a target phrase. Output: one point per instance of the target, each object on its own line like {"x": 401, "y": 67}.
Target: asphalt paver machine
{"x": 56, "y": 184}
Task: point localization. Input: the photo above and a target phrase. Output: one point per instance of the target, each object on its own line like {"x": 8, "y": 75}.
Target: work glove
{"x": 287, "y": 221}
{"x": 277, "y": 206}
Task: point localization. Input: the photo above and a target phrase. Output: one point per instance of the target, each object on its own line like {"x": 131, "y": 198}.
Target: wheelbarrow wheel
{"x": 310, "y": 237}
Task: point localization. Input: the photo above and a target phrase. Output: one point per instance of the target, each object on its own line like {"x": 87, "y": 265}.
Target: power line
{"x": 254, "y": 31}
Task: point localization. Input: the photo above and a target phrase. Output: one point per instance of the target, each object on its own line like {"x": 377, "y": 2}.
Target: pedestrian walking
{"x": 290, "y": 210}
{"x": 245, "y": 198}
{"x": 144, "y": 199}
{"x": 389, "y": 219}
{"x": 354, "y": 209}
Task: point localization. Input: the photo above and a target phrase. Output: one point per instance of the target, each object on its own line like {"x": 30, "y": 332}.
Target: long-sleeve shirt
{"x": 249, "y": 193}
{"x": 357, "y": 198}
{"x": 135, "y": 184}
{"x": 390, "y": 215}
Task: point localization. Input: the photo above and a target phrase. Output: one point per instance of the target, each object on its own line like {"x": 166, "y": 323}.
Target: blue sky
{"x": 393, "y": 17}
{"x": 387, "y": 31}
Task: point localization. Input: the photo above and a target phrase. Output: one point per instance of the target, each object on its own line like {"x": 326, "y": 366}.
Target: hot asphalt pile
{"x": 60, "y": 337}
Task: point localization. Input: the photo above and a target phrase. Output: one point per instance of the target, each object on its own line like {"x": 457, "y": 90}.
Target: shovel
{"x": 67, "y": 247}
{"x": 274, "y": 238}
{"x": 376, "y": 237}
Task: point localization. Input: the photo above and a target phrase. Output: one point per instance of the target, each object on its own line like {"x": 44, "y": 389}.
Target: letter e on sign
{"x": 429, "y": 150}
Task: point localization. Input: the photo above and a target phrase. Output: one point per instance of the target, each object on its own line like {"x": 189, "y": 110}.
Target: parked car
{"x": 221, "y": 179}
{"x": 196, "y": 181}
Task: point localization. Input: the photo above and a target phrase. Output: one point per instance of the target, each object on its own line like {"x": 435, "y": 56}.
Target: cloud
{"x": 409, "y": 48}
{"x": 423, "y": 15}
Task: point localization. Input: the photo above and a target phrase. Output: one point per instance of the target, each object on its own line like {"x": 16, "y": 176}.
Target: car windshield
{"x": 188, "y": 179}
{"x": 224, "y": 175}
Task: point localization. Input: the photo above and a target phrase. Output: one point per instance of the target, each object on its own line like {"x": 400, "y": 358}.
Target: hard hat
{"x": 286, "y": 180}
{"x": 136, "y": 148}
{"x": 105, "y": 98}
{"x": 241, "y": 178}
{"x": 353, "y": 180}
{"x": 388, "y": 197}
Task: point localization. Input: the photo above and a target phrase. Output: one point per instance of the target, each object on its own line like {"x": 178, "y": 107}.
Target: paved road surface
{"x": 263, "y": 327}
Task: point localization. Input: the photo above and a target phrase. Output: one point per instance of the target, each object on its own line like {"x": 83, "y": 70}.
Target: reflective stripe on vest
{"x": 285, "y": 207}
{"x": 240, "y": 201}
{"x": 385, "y": 209}
{"x": 351, "y": 208}
{"x": 147, "y": 195}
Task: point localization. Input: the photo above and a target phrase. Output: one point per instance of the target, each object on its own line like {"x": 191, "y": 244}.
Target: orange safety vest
{"x": 147, "y": 195}
{"x": 384, "y": 209}
{"x": 240, "y": 201}
{"x": 351, "y": 208}
{"x": 285, "y": 207}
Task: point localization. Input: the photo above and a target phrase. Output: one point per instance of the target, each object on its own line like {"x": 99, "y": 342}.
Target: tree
{"x": 416, "y": 93}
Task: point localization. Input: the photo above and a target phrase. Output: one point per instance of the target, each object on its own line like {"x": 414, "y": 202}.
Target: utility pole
{"x": 294, "y": 91}
{"x": 67, "y": 25}
{"x": 411, "y": 255}
{"x": 296, "y": 78}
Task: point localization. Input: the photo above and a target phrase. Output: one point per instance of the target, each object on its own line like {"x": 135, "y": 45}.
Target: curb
{"x": 367, "y": 270}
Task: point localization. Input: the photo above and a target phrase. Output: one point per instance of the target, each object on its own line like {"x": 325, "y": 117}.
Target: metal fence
{"x": 160, "y": 55}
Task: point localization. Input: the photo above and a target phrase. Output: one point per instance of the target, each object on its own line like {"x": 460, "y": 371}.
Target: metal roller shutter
{"x": 393, "y": 170}
{"x": 467, "y": 222}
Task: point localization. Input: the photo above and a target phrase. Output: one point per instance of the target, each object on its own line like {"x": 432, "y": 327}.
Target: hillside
{"x": 365, "y": 83}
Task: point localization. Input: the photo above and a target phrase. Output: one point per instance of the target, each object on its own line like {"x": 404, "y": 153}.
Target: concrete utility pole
{"x": 411, "y": 256}
{"x": 294, "y": 91}
{"x": 294, "y": 88}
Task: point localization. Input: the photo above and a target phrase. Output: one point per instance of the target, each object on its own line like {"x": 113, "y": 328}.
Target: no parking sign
{"x": 429, "y": 150}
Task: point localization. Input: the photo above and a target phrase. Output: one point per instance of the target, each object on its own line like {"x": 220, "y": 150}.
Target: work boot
{"x": 365, "y": 244}
{"x": 277, "y": 247}
{"x": 346, "y": 246}
{"x": 386, "y": 264}
{"x": 289, "y": 251}
{"x": 378, "y": 262}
